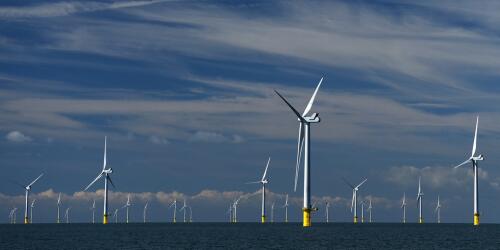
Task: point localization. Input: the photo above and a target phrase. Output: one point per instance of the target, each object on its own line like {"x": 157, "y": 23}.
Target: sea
{"x": 249, "y": 236}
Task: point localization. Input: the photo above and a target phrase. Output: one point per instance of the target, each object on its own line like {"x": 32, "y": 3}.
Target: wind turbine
{"x": 145, "y": 210}
{"x": 370, "y": 210}
{"x": 230, "y": 212}
{"x": 474, "y": 160}
{"x": 190, "y": 214}
{"x": 115, "y": 215}
{"x": 272, "y": 212}
{"x": 58, "y": 208}
{"x": 438, "y": 210}
{"x": 263, "y": 181}
{"x": 127, "y": 205}
{"x": 31, "y": 210}
{"x": 184, "y": 208}
{"x": 403, "y": 206}
{"x": 286, "y": 208}
{"x": 305, "y": 121}
{"x": 26, "y": 205}
{"x": 327, "y": 208}
{"x": 354, "y": 201}
{"x": 106, "y": 173}
{"x": 67, "y": 214}
{"x": 174, "y": 204}
{"x": 93, "y": 212}
{"x": 235, "y": 209}
{"x": 362, "y": 211}
{"x": 419, "y": 200}
{"x": 12, "y": 215}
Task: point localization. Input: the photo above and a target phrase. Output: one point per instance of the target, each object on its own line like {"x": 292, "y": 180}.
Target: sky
{"x": 183, "y": 90}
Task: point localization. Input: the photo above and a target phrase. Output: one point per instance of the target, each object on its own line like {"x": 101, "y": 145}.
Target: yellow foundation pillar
{"x": 26, "y": 220}
{"x": 263, "y": 219}
{"x": 355, "y": 219}
{"x": 105, "y": 219}
{"x": 420, "y": 220}
{"x": 476, "y": 219}
{"x": 307, "y": 217}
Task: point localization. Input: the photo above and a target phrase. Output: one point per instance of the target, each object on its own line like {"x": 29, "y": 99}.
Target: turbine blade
{"x": 253, "y": 182}
{"x": 311, "y": 101}
{"x": 265, "y": 171}
{"x": 104, "y": 162}
{"x": 291, "y": 107}
{"x": 463, "y": 163}
{"x": 352, "y": 200}
{"x": 33, "y": 182}
{"x": 300, "y": 145}
{"x": 346, "y": 182}
{"x": 110, "y": 181}
{"x": 97, "y": 178}
{"x": 361, "y": 183}
{"x": 475, "y": 138}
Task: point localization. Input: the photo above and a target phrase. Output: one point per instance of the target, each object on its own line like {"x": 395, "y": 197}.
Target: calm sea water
{"x": 249, "y": 236}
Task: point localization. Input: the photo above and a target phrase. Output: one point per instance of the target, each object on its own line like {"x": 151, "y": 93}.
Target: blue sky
{"x": 184, "y": 92}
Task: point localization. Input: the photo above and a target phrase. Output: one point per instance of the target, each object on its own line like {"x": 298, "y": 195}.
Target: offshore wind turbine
{"x": 272, "y": 212}
{"x": 174, "y": 204}
{"x": 263, "y": 181}
{"x": 474, "y": 160}
{"x": 66, "y": 215}
{"x": 327, "y": 208}
{"x": 362, "y": 211}
{"x": 190, "y": 214}
{"x": 304, "y": 142}
{"x": 115, "y": 215}
{"x": 93, "y": 212}
{"x": 12, "y": 215}
{"x": 106, "y": 173}
{"x": 235, "y": 209}
{"x": 31, "y": 210}
{"x": 127, "y": 205}
{"x": 230, "y": 212}
{"x": 27, "y": 190}
{"x": 184, "y": 208}
{"x": 286, "y": 208}
{"x": 438, "y": 211}
{"x": 403, "y": 206}
{"x": 370, "y": 210}
{"x": 145, "y": 210}
{"x": 419, "y": 200}
{"x": 58, "y": 208}
{"x": 354, "y": 201}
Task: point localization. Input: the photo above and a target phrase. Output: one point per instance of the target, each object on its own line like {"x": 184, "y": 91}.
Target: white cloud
{"x": 158, "y": 140}
{"x": 16, "y": 136}
{"x": 206, "y": 136}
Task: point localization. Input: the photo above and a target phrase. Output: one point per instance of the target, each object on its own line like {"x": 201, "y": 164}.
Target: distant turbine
{"x": 66, "y": 215}
{"x": 12, "y": 216}
{"x": 403, "y": 206}
{"x": 190, "y": 214}
{"x": 362, "y": 211}
{"x": 474, "y": 160}
{"x": 174, "y": 204}
{"x": 235, "y": 209}
{"x": 286, "y": 208}
{"x": 127, "y": 205}
{"x": 272, "y": 212}
{"x": 93, "y": 212}
{"x": 327, "y": 210}
{"x": 438, "y": 210}
{"x": 106, "y": 173}
{"x": 263, "y": 181}
{"x": 184, "y": 208}
{"x": 31, "y": 210}
{"x": 145, "y": 210}
{"x": 27, "y": 194}
{"x": 354, "y": 201}
{"x": 304, "y": 142}
{"x": 419, "y": 200}
{"x": 115, "y": 215}
{"x": 230, "y": 212}
{"x": 370, "y": 210}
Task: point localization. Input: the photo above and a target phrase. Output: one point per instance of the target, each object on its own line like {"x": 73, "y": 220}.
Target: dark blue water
{"x": 249, "y": 236}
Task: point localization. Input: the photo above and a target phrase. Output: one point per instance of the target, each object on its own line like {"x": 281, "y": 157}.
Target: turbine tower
{"x": 184, "y": 208}
{"x": 190, "y": 214}
{"x": 127, "y": 205}
{"x": 115, "y": 215}
{"x": 419, "y": 200}
{"x": 66, "y": 215}
{"x": 174, "y": 204}
{"x": 235, "y": 209}
{"x": 327, "y": 208}
{"x": 263, "y": 181}
{"x": 145, "y": 210}
{"x": 303, "y": 141}
{"x": 370, "y": 210}
{"x": 354, "y": 201}
{"x": 272, "y": 212}
{"x": 286, "y": 208}
{"x": 438, "y": 211}
{"x": 362, "y": 211}
{"x": 474, "y": 160}
{"x": 230, "y": 212}
{"x": 13, "y": 215}
{"x": 403, "y": 206}
{"x": 27, "y": 190}
{"x": 31, "y": 210}
{"x": 106, "y": 173}
{"x": 93, "y": 212}
{"x": 58, "y": 208}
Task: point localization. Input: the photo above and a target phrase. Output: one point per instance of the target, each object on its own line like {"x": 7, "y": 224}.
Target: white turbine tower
{"x": 327, "y": 211}
{"x": 370, "y": 210}
{"x": 31, "y": 210}
{"x": 115, "y": 215}
{"x": 272, "y": 212}
{"x": 419, "y": 200}
{"x": 174, "y": 204}
{"x": 474, "y": 160}
{"x": 93, "y": 212}
{"x": 58, "y": 208}
{"x": 27, "y": 190}
{"x": 183, "y": 208}
{"x": 354, "y": 201}
{"x": 145, "y": 210}
{"x": 403, "y": 206}
{"x": 66, "y": 215}
{"x": 438, "y": 211}
{"x": 13, "y": 215}
{"x": 106, "y": 173}
{"x": 362, "y": 211}
{"x": 263, "y": 181}
{"x": 305, "y": 121}
{"x": 286, "y": 208}
{"x": 235, "y": 209}
{"x": 190, "y": 214}
{"x": 230, "y": 212}
{"x": 127, "y": 205}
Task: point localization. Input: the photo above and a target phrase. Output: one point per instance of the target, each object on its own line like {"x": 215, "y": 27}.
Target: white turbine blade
{"x": 33, "y": 182}
{"x": 352, "y": 200}
{"x": 97, "y": 178}
{"x": 110, "y": 181}
{"x": 265, "y": 171}
{"x": 59, "y": 199}
{"x": 475, "y": 138}
{"x": 291, "y": 107}
{"x": 361, "y": 183}
{"x": 105, "y": 145}
{"x": 253, "y": 182}
{"x": 349, "y": 184}
{"x": 311, "y": 101}
{"x": 463, "y": 163}
{"x": 300, "y": 144}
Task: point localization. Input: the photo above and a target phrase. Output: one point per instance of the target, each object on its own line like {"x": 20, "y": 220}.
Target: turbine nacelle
{"x": 107, "y": 171}
{"x": 478, "y": 158}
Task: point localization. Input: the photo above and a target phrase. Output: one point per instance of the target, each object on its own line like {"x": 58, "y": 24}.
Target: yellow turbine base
{"x": 307, "y": 217}
{"x": 355, "y": 219}
{"x": 420, "y": 220}
{"x": 263, "y": 219}
{"x": 26, "y": 220}
{"x": 476, "y": 219}
{"x": 105, "y": 219}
